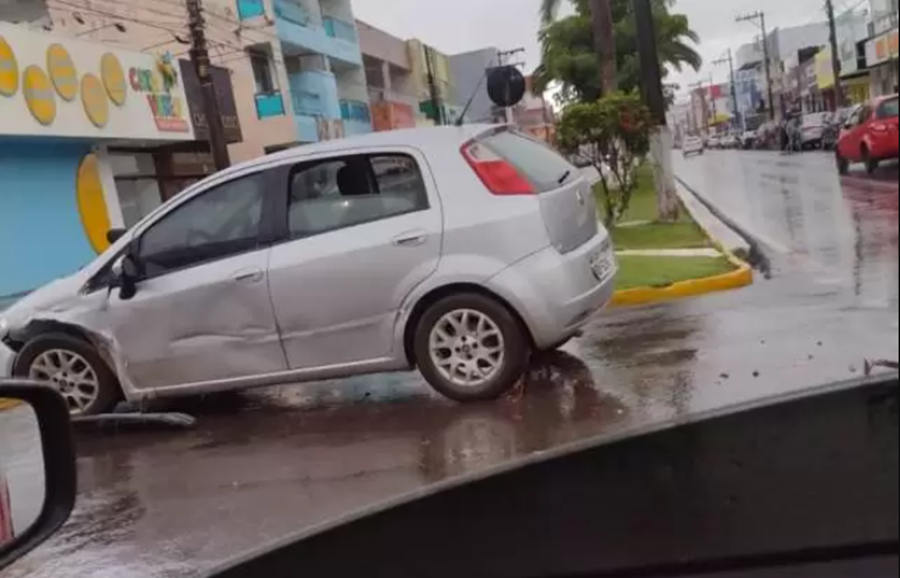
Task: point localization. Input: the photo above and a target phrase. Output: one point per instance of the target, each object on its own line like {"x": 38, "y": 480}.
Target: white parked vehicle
{"x": 457, "y": 250}
{"x": 693, "y": 145}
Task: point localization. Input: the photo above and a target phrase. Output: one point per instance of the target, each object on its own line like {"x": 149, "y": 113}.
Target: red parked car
{"x": 871, "y": 135}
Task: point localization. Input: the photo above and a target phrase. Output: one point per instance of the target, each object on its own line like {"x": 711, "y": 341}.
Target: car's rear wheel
{"x": 72, "y": 367}
{"x": 470, "y": 347}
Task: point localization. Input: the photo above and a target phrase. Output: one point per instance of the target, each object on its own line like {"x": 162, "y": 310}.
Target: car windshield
{"x": 889, "y": 108}
{"x": 376, "y": 247}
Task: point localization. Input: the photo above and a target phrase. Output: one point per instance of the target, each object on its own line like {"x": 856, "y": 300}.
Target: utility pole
{"x": 759, "y": 18}
{"x": 200, "y": 57}
{"x": 736, "y": 121}
{"x": 652, "y": 90}
{"x": 432, "y": 87}
{"x": 835, "y": 56}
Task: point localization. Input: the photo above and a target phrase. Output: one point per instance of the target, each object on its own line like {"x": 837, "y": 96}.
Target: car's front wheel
{"x": 470, "y": 347}
{"x": 843, "y": 164}
{"x": 72, "y": 367}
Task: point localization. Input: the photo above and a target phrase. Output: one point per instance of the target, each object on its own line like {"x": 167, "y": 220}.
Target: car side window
{"x": 349, "y": 191}
{"x": 864, "y": 114}
{"x": 889, "y": 109}
{"x": 219, "y": 223}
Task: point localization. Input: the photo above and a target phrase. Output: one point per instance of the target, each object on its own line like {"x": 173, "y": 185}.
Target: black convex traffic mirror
{"x": 37, "y": 467}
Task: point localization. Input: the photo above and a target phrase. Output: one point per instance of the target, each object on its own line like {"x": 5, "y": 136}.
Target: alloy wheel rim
{"x": 70, "y": 374}
{"x": 467, "y": 347}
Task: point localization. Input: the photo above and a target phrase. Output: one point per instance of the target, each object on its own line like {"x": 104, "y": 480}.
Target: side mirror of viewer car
{"x": 37, "y": 467}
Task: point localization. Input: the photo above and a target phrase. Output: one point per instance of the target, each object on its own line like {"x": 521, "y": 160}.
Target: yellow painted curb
{"x": 742, "y": 277}
{"x": 6, "y": 404}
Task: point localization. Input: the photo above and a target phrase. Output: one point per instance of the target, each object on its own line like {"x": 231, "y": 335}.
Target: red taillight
{"x": 497, "y": 174}
{"x": 880, "y": 127}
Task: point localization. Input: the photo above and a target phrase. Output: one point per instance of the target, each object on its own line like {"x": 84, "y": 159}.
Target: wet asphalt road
{"x": 261, "y": 466}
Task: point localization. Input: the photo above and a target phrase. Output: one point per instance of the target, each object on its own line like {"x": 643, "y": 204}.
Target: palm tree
{"x": 604, "y": 38}
{"x": 569, "y": 54}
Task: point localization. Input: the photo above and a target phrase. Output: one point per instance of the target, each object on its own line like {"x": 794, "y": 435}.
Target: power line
{"x": 150, "y": 24}
{"x": 74, "y": 9}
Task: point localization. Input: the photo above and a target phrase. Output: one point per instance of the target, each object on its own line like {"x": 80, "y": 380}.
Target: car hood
{"x": 55, "y": 296}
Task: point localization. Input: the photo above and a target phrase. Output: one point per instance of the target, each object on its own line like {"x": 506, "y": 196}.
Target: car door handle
{"x": 411, "y": 239}
{"x": 250, "y": 276}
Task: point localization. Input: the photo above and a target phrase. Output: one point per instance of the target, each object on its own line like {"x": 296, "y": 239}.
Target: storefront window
{"x": 136, "y": 184}
{"x": 138, "y": 199}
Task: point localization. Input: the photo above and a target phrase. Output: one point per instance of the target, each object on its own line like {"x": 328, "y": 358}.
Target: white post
{"x": 664, "y": 173}
{"x": 110, "y": 193}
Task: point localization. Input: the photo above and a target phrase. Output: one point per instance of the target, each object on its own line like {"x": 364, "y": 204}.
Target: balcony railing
{"x": 339, "y": 29}
{"x": 269, "y": 105}
{"x": 356, "y": 111}
{"x": 250, "y": 9}
{"x": 332, "y": 37}
{"x": 308, "y": 103}
{"x": 292, "y": 11}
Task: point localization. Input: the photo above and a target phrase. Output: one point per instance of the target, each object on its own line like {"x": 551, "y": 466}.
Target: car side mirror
{"x": 126, "y": 272}
{"x": 37, "y": 467}
{"x": 114, "y": 235}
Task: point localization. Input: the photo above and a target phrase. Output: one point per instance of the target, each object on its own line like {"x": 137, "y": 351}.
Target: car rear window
{"x": 817, "y": 119}
{"x": 889, "y": 109}
{"x": 537, "y": 162}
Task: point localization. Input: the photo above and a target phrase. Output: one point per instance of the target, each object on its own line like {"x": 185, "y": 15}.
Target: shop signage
{"x": 824, "y": 69}
{"x": 883, "y": 49}
{"x": 52, "y": 86}
{"x": 224, "y": 96}
{"x": 157, "y": 84}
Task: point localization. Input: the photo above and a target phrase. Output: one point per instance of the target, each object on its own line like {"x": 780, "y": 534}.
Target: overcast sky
{"x": 461, "y": 25}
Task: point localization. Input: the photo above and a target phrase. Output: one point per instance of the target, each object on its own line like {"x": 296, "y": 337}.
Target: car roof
{"x": 415, "y": 137}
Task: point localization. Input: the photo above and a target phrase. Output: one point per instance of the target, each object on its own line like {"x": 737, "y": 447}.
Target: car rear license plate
{"x": 603, "y": 264}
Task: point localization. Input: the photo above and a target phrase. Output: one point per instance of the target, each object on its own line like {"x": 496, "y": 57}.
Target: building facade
{"x": 882, "y": 48}
{"x": 76, "y": 118}
{"x": 432, "y": 84}
{"x": 389, "y": 78}
{"x": 783, "y": 43}
{"x": 307, "y": 69}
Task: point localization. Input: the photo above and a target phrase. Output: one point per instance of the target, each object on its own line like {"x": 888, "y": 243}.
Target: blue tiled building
{"x": 308, "y": 71}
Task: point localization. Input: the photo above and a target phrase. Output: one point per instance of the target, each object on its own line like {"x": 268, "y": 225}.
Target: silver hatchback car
{"x": 456, "y": 250}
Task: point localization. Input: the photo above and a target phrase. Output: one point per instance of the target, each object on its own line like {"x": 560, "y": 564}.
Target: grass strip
{"x": 640, "y": 271}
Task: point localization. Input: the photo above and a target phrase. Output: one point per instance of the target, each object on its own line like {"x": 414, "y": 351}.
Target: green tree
{"x": 570, "y": 56}
{"x": 614, "y": 134}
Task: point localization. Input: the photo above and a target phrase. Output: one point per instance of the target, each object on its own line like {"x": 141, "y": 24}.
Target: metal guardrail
{"x": 355, "y": 110}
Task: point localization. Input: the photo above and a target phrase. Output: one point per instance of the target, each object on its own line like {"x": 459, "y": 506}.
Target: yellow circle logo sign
{"x": 39, "y": 95}
{"x": 92, "y": 204}
{"x": 93, "y": 96}
{"x": 113, "y": 79}
{"x": 9, "y": 70}
{"x": 62, "y": 72}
